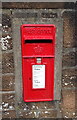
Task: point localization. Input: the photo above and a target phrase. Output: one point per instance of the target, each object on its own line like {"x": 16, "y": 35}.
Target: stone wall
{"x": 13, "y": 107}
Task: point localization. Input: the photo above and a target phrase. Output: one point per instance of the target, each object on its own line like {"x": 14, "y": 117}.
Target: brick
{"x": 37, "y": 105}
{"x": 48, "y": 114}
{"x": 8, "y": 101}
{"x": 69, "y": 72}
{"x": 25, "y": 106}
{"x": 37, "y": 114}
{"x": 6, "y": 11}
{"x": 76, "y": 27}
{"x": 76, "y": 100}
{"x": 8, "y": 82}
{"x": 45, "y": 105}
{"x": 69, "y": 29}
{"x": 69, "y": 82}
{"x": 68, "y": 103}
{"x": 6, "y": 20}
{"x": 7, "y": 44}
{"x": 26, "y": 15}
{"x": 0, "y": 99}
{"x": 7, "y": 63}
{"x": 68, "y": 99}
{"x": 32, "y": 110}
{"x": 69, "y": 60}
{"x": 43, "y": 5}
{"x": 30, "y": 20}
{"x": 6, "y": 31}
{"x": 28, "y": 114}
{"x": 6, "y": 38}
{"x": 76, "y": 57}
{"x": 9, "y": 114}
{"x": 69, "y": 78}
{"x": 1, "y": 115}
{"x": 69, "y": 113}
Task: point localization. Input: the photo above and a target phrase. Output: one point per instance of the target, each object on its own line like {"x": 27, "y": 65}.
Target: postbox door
{"x": 44, "y": 90}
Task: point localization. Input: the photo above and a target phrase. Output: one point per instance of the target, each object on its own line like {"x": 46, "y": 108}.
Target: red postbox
{"x": 38, "y": 45}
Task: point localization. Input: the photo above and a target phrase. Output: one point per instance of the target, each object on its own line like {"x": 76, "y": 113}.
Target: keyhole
{"x": 30, "y": 78}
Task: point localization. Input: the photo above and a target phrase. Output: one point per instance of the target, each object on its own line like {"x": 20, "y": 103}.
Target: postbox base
{"x": 38, "y": 100}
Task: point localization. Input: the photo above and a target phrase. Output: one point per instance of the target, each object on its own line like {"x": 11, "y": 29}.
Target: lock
{"x": 38, "y": 60}
{"x": 38, "y": 55}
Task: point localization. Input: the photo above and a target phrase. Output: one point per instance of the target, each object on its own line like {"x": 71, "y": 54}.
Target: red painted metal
{"x": 38, "y": 41}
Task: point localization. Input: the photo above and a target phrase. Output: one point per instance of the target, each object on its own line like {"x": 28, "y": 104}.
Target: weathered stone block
{"x": 26, "y": 15}
{"x": 38, "y": 114}
{"x": 76, "y": 100}
{"x": 69, "y": 29}
{"x": 36, "y": 105}
{"x": 8, "y": 101}
{"x": 38, "y": 5}
{"x": 76, "y": 57}
{"x": 7, "y": 63}
{"x": 6, "y": 20}
{"x": 6, "y": 30}
{"x": 70, "y": 72}
{"x": 48, "y": 114}
{"x": 8, "y": 82}
{"x": 68, "y": 103}
{"x": 45, "y": 105}
{"x": 9, "y": 114}
{"x": 69, "y": 82}
{"x": 68, "y": 99}
{"x": 7, "y": 11}
{"x": 69, "y": 114}
{"x": 69, "y": 60}
{"x": 69, "y": 77}
{"x": 6, "y": 44}
{"x": 6, "y": 39}
{"x": 28, "y": 114}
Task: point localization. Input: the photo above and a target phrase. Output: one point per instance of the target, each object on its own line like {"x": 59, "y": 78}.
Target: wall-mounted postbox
{"x": 38, "y": 45}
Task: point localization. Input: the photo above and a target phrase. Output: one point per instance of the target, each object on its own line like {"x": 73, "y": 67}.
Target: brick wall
{"x": 69, "y": 65}
{"x": 8, "y": 81}
{"x": 64, "y": 108}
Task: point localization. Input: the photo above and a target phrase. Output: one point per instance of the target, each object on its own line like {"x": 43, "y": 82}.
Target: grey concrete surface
{"x": 16, "y": 23}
